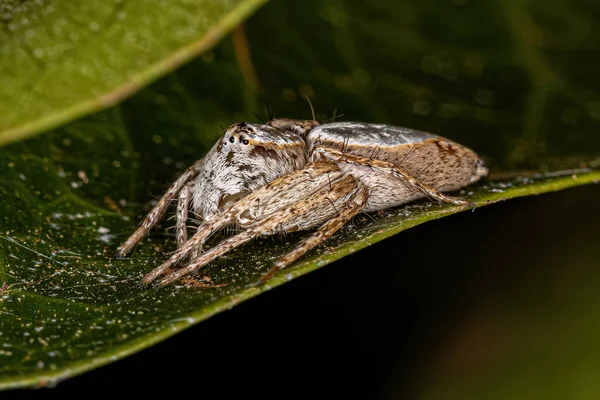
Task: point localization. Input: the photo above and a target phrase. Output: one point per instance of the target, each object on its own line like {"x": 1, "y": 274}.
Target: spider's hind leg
{"x": 394, "y": 170}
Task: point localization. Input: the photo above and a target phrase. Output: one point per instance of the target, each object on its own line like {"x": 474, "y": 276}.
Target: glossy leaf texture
{"x": 465, "y": 70}
{"x": 61, "y": 60}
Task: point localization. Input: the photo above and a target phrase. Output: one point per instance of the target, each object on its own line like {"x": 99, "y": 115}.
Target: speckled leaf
{"x": 60, "y": 60}
{"x": 69, "y": 197}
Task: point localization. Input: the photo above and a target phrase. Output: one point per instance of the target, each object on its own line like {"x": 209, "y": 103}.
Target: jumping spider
{"x": 288, "y": 175}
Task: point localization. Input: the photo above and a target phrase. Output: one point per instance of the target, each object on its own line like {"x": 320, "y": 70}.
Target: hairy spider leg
{"x": 183, "y": 206}
{"x": 355, "y": 204}
{"x": 158, "y": 212}
{"x": 390, "y": 168}
{"x": 196, "y": 241}
{"x": 311, "y": 210}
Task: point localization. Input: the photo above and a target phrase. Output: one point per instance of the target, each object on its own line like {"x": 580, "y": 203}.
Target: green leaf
{"x": 70, "y": 197}
{"x": 62, "y": 60}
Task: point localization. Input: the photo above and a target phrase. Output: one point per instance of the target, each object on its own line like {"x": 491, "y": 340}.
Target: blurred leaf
{"x": 62, "y": 60}
{"x": 70, "y": 197}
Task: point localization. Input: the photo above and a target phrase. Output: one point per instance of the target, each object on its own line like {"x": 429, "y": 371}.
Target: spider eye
{"x": 231, "y": 139}
{"x": 244, "y": 140}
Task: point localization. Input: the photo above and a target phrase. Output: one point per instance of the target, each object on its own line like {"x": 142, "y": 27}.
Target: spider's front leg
{"x": 192, "y": 246}
{"x": 183, "y": 206}
{"x": 158, "y": 212}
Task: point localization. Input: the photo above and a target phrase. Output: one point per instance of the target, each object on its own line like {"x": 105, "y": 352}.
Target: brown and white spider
{"x": 289, "y": 175}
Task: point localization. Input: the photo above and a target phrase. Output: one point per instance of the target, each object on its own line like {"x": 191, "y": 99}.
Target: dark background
{"x": 316, "y": 338}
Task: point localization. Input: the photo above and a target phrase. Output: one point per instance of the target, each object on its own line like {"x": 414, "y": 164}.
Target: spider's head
{"x": 245, "y": 137}
{"x": 247, "y": 157}
{"x": 238, "y": 138}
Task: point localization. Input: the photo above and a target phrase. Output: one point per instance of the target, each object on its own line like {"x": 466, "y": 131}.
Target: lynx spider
{"x": 288, "y": 175}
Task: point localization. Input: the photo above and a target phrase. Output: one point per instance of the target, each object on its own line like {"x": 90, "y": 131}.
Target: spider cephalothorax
{"x": 289, "y": 175}
{"x": 246, "y": 157}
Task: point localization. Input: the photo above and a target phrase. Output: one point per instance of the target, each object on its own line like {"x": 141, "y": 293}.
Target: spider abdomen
{"x": 436, "y": 161}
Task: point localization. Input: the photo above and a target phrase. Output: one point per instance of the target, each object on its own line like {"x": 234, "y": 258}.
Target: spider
{"x": 288, "y": 175}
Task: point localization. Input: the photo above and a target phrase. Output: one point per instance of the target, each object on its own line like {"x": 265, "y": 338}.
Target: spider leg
{"x": 202, "y": 259}
{"x": 158, "y": 212}
{"x": 183, "y": 206}
{"x": 303, "y": 214}
{"x": 352, "y": 207}
{"x": 388, "y": 167}
{"x": 195, "y": 242}
{"x": 198, "y": 250}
